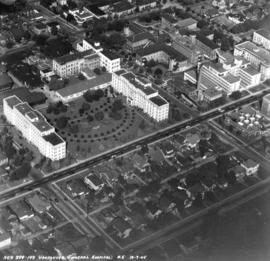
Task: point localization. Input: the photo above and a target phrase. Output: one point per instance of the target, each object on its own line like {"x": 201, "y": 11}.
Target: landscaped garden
{"x": 95, "y": 123}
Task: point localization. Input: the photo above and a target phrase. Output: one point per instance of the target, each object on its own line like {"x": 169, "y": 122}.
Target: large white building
{"x": 229, "y": 75}
{"x": 72, "y": 64}
{"x": 107, "y": 59}
{"x": 262, "y": 37}
{"x": 141, "y": 94}
{"x": 34, "y": 128}
{"x": 256, "y": 55}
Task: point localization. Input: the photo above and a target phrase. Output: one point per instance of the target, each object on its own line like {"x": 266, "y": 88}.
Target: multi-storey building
{"x": 262, "y": 37}
{"x": 214, "y": 75}
{"x": 34, "y": 128}
{"x": 207, "y": 46}
{"x": 257, "y": 56}
{"x": 72, "y": 64}
{"x": 141, "y": 94}
{"x": 107, "y": 59}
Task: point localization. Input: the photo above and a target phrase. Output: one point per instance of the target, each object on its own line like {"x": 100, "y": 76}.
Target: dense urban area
{"x": 135, "y": 130}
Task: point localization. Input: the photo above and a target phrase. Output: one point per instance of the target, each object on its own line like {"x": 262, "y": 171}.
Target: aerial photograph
{"x": 135, "y": 130}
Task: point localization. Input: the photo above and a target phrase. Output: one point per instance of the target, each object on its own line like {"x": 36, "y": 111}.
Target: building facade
{"x": 262, "y": 37}
{"x": 34, "y": 128}
{"x": 141, "y": 94}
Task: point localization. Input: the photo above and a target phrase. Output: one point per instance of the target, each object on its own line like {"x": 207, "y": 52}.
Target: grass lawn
{"x": 96, "y": 136}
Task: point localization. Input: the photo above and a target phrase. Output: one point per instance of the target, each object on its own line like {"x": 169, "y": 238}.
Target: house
{"x": 122, "y": 227}
{"x": 122, "y": 8}
{"x": 140, "y": 40}
{"x": 146, "y": 4}
{"x": 192, "y": 140}
{"x": 168, "y": 20}
{"x": 188, "y": 24}
{"x": 152, "y": 210}
{"x": 37, "y": 204}
{"x": 211, "y": 13}
{"x": 239, "y": 172}
{"x": 51, "y": 25}
{"x": 3, "y": 159}
{"x": 166, "y": 204}
{"x": 21, "y": 210}
{"x": 167, "y": 149}
{"x": 195, "y": 190}
{"x": 46, "y": 73}
{"x": 140, "y": 162}
{"x": 77, "y": 188}
{"x": 94, "y": 182}
{"x": 251, "y": 167}
{"x": 5, "y": 240}
{"x": 40, "y": 28}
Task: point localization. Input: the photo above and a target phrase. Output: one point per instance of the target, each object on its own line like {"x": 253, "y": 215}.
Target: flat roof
{"x": 119, "y": 72}
{"x": 255, "y": 50}
{"x": 140, "y": 36}
{"x": 71, "y": 57}
{"x": 207, "y": 41}
{"x": 187, "y": 22}
{"x": 23, "y": 108}
{"x": 132, "y": 79}
{"x": 13, "y": 101}
{"x": 173, "y": 53}
{"x": 53, "y": 138}
{"x": 250, "y": 70}
{"x": 158, "y": 100}
{"x": 122, "y": 6}
{"x": 109, "y": 54}
{"x": 85, "y": 85}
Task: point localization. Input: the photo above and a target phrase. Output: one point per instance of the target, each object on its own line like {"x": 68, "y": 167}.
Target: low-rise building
{"x": 140, "y": 93}
{"x": 21, "y": 210}
{"x": 76, "y": 90}
{"x": 140, "y": 40}
{"x": 123, "y": 8}
{"x": 94, "y": 182}
{"x": 251, "y": 167}
{"x": 37, "y": 204}
{"x": 77, "y": 188}
{"x": 207, "y": 46}
{"x": 167, "y": 149}
{"x": 212, "y": 94}
{"x": 188, "y": 23}
{"x": 146, "y": 4}
{"x": 122, "y": 227}
{"x": 192, "y": 140}
{"x": 34, "y": 127}
{"x": 40, "y": 28}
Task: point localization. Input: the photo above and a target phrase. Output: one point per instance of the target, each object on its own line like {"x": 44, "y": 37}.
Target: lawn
{"x": 96, "y": 130}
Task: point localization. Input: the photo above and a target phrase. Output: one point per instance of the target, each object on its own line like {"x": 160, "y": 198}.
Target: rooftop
{"x": 212, "y": 92}
{"x": 250, "y": 70}
{"x": 140, "y": 36}
{"x": 207, "y": 41}
{"x": 5, "y": 80}
{"x": 38, "y": 204}
{"x": 174, "y": 54}
{"x": 95, "y": 179}
{"x": 255, "y": 50}
{"x": 263, "y": 32}
{"x": 169, "y": 18}
{"x": 186, "y": 22}
{"x": 82, "y": 86}
{"x": 132, "y": 79}
{"x": 53, "y": 138}
{"x": 72, "y": 57}
{"x": 109, "y": 54}
{"x": 158, "y": 100}
{"x": 122, "y": 6}
{"x": 13, "y": 101}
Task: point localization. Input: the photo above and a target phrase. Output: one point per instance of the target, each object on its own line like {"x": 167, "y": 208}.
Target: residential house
{"x": 167, "y": 149}
{"x": 251, "y": 167}
{"x": 77, "y": 187}
{"x": 140, "y": 162}
{"x": 21, "y": 210}
{"x": 140, "y": 40}
{"x": 37, "y": 204}
{"x": 167, "y": 20}
{"x": 192, "y": 140}
{"x": 94, "y": 182}
{"x": 51, "y": 25}
{"x": 152, "y": 210}
{"x": 40, "y": 28}
{"x": 146, "y": 4}
{"x": 122, "y": 8}
{"x": 3, "y": 159}
{"x": 122, "y": 227}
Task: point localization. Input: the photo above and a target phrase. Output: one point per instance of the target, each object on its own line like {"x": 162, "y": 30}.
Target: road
{"x": 171, "y": 130}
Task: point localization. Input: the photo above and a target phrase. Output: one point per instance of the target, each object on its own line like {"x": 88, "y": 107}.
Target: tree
{"x": 21, "y": 172}
{"x": 61, "y": 122}
{"x": 90, "y": 118}
{"x": 236, "y": 95}
{"x": 99, "y": 116}
{"x": 81, "y": 77}
{"x": 9, "y": 150}
{"x": 230, "y": 177}
{"x": 158, "y": 72}
{"x": 97, "y": 71}
{"x": 117, "y": 105}
{"x": 54, "y": 30}
{"x": 145, "y": 149}
{"x": 198, "y": 202}
{"x": 88, "y": 96}
{"x": 99, "y": 93}
{"x": 70, "y": 18}
{"x": 225, "y": 44}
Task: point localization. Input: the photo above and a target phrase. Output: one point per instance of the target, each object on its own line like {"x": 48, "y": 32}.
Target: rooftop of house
{"x": 212, "y": 92}
{"x": 120, "y": 224}
{"x": 212, "y": 45}
{"x": 192, "y": 138}
{"x": 20, "y": 208}
{"x": 250, "y": 163}
{"x": 122, "y": 6}
{"x": 94, "y": 179}
{"x": 85, "y": 85}
{"x": 139, "y": 37}
{"x": 145, "y": 2}
{"x": 5, "y": 80}
{"x": 109, "y": 54}
{"x": 174, "y": 54}
{"x": 37, "y": 203}
{"x": 187, "y": 22}
{"x": 77, "y": 186}
{"x": 169, "y": 18}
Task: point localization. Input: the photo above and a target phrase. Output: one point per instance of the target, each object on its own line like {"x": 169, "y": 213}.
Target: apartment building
{"x": 141, "y": 94}
{"x": 256, "y": 55}
{"x": 107, "y": 59}
{"x": 262, "y": 37}
{"x": 72, "y": 64}
{"x": 34, "y": 128}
